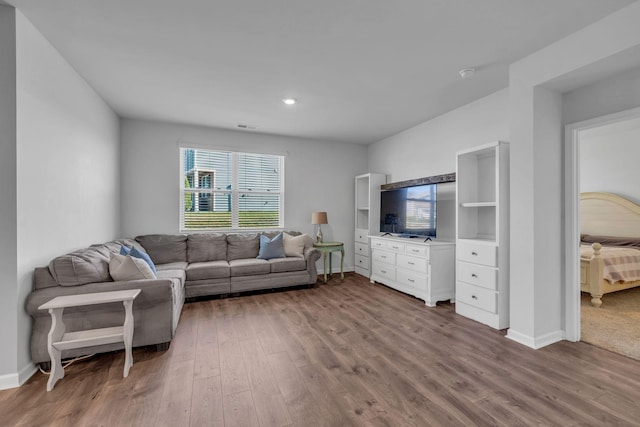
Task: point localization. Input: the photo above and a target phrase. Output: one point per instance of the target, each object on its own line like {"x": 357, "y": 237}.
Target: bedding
{"x": 621, "y": 263}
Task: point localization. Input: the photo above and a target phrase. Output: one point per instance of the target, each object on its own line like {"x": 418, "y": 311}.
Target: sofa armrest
{"x": 311, "y": 255}
{"x": 154, "y": 291}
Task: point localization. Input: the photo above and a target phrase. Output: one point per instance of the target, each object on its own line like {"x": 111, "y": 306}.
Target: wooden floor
{"x": 345, "y": 353}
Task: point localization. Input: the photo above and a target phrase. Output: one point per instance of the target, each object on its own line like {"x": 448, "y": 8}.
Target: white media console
{"x": 422, "y": 269}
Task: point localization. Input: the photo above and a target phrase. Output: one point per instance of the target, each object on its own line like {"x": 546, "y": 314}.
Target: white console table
{"x": 425, "y": 270}
{"x": 59, "y": 340}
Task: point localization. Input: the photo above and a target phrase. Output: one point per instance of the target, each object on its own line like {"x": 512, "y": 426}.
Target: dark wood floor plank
{"x": 344, "y": 353}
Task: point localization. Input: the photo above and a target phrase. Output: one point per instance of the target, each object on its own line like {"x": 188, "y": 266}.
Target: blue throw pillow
{"x": 124, "y": 250}
{"x": 271, "y": 248}
{"x": 136, "y": 253}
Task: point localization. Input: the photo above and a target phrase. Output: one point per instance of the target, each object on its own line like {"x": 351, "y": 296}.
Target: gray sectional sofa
{"x": 187, "y": 266}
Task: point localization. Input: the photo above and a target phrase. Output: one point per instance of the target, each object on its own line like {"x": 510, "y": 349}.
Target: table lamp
{"x": 319, "y": 218}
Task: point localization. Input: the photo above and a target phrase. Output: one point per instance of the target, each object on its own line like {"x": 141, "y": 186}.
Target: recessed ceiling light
{"x": 289, "y": 101}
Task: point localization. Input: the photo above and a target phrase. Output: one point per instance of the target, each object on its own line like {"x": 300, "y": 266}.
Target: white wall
{"x": 67, "y": 173}
{"x": 609, "y": 160}
{"x": 319, "y": 175}
{"x": 430, "y": 148}
{"x": 538, "y": 111}
{"x": 8, "y": 213}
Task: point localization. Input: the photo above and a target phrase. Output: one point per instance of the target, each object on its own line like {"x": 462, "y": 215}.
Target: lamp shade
{"x": 319, "y": 218}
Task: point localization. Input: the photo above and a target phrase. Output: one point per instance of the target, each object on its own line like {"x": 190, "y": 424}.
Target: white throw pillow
{"x": 126, "y": 267}
{"x": 294, "y": 245}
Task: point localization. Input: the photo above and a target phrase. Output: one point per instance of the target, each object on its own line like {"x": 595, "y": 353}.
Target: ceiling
{"x": 361, "y": 70}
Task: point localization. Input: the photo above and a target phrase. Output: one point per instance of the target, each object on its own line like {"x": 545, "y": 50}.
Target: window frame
{"x": 235, "y": 192}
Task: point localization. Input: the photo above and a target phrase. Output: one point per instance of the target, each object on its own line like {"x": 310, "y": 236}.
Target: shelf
{"x": 478, "y": 204}
{"x": 90, "y": 337}
{"x": 363, "y": 208}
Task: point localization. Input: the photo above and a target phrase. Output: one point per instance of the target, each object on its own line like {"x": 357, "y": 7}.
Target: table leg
{"x": 324, "y": 270}
{"x": 55, "y": 334}
{"x": 331, "y": 264}
{"x": 342, "y": 264}
{"x": 128, "y": 336}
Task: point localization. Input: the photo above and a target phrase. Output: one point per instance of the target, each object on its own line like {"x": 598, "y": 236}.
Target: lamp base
{"x": 319, "y": 235}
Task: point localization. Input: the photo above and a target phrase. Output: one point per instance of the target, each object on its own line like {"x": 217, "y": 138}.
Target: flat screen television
{"x": 409, "y": 211}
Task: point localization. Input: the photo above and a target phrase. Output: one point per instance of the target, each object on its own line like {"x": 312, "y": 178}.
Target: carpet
{"x": 614, "y": 326}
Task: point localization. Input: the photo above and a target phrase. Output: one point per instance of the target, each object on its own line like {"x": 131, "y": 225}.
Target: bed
{"x": 610, "y": 244}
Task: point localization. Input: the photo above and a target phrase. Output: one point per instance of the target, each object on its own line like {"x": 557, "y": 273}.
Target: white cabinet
{"x": 367, "y": 210}
{"x": 422, "y": 269}
{"x": 482, "y": 234}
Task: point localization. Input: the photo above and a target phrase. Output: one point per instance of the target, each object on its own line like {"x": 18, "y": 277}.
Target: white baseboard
{"x": 535, "y": 342}
{"x": 16, "y": 379}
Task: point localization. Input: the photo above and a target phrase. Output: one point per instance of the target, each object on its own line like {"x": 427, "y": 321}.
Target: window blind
{"x": 229, "y": 190}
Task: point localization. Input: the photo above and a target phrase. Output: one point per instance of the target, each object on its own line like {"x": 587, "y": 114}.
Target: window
{"x": 228, "y": 190}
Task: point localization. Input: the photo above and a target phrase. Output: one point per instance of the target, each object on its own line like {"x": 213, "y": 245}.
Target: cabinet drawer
{"x": 362, "y": 249}
{"x": 477, "y": 253}
{"x": 476, "y": 274}
{"x": 396, "y": 246}
{"x": 476, "y": 296}
{"x": 383, "y": 270}
{"x": 362, "y": 261}
{"x": 412, "y": 263}
{"x": 384, "y": 256}
{"x": 416, "y": 250}
{"x": 413, "y": 280}
{"x": 376, "y": 243}
{"x": 362, "y": 236}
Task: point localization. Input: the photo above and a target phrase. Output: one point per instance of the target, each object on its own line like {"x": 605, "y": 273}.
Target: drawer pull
{"x": 415, "y": 250}
{"x": 383, "y": 271}
{"x": 411, "y": 280}
{"x": 360, "y": 249}
{"x": 474, "y": 297}
{"x": 474, "y": 275}
{"x": 383, "y": 256}
{"x": 411, "y": 263}
{"x": 395, "y": 247}
{"x": 474, "y": 253}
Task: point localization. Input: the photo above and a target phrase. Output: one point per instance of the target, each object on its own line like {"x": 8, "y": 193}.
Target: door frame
{"x": 572, "y": 215}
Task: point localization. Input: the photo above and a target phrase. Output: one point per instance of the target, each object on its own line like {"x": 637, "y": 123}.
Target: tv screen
{"x": 409, "y": 211}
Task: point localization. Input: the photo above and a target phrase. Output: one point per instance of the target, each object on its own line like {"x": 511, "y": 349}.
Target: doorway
{"x": 573, "y": 134}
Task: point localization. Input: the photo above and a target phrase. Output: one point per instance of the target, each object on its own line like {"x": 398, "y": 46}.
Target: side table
{"x": 59, "y": 340}
{"x": 328, "y": 248}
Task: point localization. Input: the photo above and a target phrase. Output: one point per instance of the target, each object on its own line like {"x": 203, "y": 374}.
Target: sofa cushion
{"x": 279, "y": 265}
{"x": 206, "y": 247}
{"x": 179, "y": 265}
{"x": 164, "y": 248}
{"x": 271, "y": 248}
{"x": 78, "y": 268}
{"x": 249, "y": 267}
{"x": 173, "y": 275}
{"x": 208, "y": 270}
{"x": 242, "y": 245}
{"x": 127, "y": 267}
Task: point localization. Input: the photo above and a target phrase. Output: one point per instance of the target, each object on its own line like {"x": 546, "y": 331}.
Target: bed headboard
{"x": 605, "y": 214}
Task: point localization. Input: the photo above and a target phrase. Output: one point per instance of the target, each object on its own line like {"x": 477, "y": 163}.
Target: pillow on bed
{"x": 611, "y": 240}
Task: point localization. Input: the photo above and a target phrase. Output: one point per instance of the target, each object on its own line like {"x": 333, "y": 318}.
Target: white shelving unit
{"x": 367, "y": 220}
{"x": 482, "y": 234}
